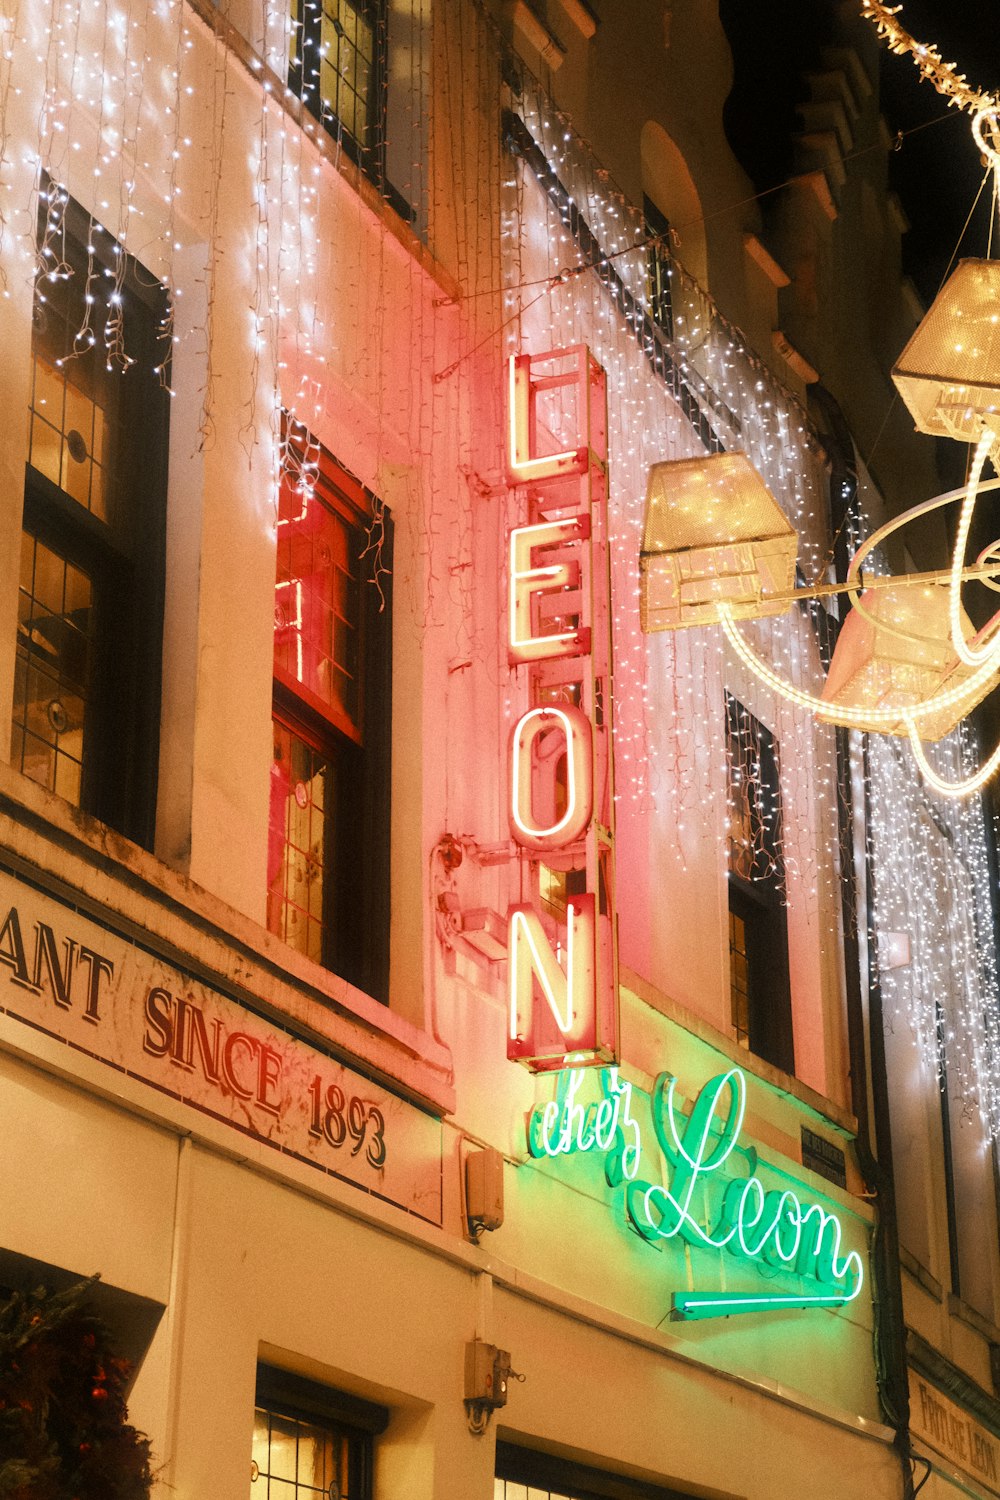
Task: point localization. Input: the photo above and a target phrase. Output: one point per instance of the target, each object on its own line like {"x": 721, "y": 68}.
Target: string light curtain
{"x": 576, "y": 266}
{"x": 932, "y": 885}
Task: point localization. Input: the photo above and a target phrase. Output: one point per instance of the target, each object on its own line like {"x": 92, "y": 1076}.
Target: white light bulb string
{"x": 943, "y": 75}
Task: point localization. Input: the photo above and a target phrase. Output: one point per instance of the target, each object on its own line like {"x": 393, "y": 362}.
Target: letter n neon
{"x": 553, "y": 1010}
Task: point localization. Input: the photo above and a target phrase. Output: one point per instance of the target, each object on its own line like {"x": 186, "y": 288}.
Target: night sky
{"x": 937, "y": 172}
{"x": 776, "y": 43}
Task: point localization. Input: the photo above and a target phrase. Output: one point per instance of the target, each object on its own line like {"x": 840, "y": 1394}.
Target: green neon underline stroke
{"x": 720, "y": 1304}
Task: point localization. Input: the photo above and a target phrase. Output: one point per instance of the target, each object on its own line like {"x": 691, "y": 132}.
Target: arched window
{"x": 669, "y": 187}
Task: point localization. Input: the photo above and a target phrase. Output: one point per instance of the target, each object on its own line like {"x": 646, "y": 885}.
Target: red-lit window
{"x": 317, "y": 611}
{"x": 328, "y": 833}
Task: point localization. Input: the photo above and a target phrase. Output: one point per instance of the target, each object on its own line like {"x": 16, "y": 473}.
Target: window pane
{"x": 296, "y": 1459}
{"x": 754, "y": 799}
{"x": 68, "y": 422}
{"x": 739, "y": 979}
{"x": 317, "y": 602}
{"x": 339, "y": 46}
{"x": 300, "y": 829}
{"x": 282, "y": 1446}
{"x": 52, "y": 669}
{"x": 85, "y": 711}
{"x": 260, "y": 1441}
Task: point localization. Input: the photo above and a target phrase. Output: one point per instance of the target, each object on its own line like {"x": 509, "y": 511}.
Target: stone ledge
{"x": 82, "y": 862}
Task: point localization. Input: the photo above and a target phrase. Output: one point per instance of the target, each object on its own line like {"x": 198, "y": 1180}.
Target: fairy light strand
{"x": 944, "y": 76}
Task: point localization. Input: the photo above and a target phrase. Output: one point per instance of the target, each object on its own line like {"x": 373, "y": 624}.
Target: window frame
{"x": 576, "y": 1481}
{"x": 760, "y": 902}
{"x": 284, "y": 1394}
{"x": 355, "y": 899}
{"x": 658, "y": 267}
{"x": 126, "y": 563}
{"x": 370, "y": 157}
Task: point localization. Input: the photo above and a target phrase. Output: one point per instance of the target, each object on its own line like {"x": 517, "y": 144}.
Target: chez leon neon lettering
{"x": 770, "y": 1227}
{"x": 752, "y": 1222}
{"x": 564, "y": 1126}
{"x": 522, "y": 465}
{"x": 530, "y": 580}
{"x": 568, "y": 992}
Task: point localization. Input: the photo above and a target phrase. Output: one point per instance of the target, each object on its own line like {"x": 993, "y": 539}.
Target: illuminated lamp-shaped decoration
{"x": 714, "y": 534}
{"x": 949, "y": 373}
{"x": 895, "y": 651}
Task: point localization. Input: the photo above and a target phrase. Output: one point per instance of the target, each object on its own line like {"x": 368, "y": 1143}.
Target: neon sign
{"x": 562, "y": 982}
{"x": 564, "y": 1126}
{"x": 533, "y": 585}
{"x": 572, "y": 741}
{"x": 523, "y": 463}
{"x": 705, "y": 1202}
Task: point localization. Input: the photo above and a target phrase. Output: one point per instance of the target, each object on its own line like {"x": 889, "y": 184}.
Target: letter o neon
{"x": 576, "y": 733}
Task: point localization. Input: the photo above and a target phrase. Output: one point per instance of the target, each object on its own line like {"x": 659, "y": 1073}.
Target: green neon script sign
{"x": 704, "y": 1203}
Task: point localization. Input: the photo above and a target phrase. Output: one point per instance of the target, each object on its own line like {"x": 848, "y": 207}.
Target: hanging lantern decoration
{"x": 895, "y": 651}
{"x": 714, "y": 533}
{"x": 949, "y": 373}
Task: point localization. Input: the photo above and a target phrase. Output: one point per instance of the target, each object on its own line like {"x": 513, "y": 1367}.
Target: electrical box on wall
{"x": 487, "y": 1372}
{"x": 484, "y": 1189}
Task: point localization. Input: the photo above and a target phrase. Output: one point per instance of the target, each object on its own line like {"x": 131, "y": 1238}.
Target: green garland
{"x": 64, "y": 1433}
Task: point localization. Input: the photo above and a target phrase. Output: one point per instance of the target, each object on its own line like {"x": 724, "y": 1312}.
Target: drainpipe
{"x": 869, "y": 1099}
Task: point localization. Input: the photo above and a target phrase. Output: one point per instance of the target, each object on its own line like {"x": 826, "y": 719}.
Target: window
{"x": 328, "y": 837}
{"x": 760, "y": 996}
{"x": 658, "y": 267}
{"x": 339, "y": 69}
{"x": 90, "y": 599}
{"x": 311, "y": 1441}
{"x": 524, "y": 1475}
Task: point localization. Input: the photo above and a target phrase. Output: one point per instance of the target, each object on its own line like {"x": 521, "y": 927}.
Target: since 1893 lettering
{"x": 233, "y": 1061}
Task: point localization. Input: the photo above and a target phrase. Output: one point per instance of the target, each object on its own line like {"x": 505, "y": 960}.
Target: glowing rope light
{"x": 991, "y": 651}
{"x": 855, "y": 718}
{"x": 963, "y": 788}
{"x": 928, "y": 59}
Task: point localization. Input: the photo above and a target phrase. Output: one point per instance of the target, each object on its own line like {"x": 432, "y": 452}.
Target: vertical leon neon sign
{"x": 563, "y": 1000}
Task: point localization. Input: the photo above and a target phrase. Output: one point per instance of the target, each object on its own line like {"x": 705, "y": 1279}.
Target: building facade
{"x": 486, "y": 1042}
